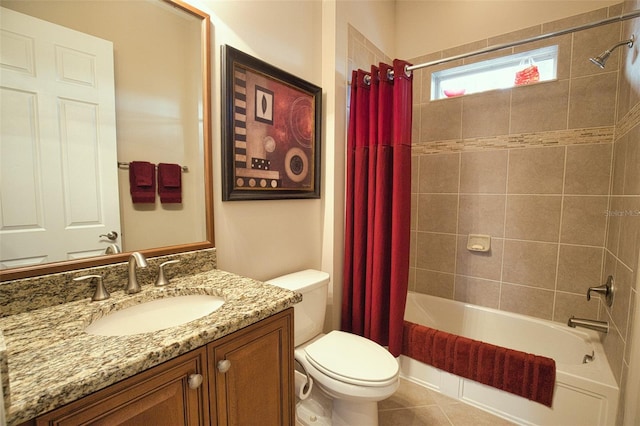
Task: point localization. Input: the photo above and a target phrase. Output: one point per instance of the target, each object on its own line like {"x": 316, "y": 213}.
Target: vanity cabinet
{"x": 247, "y": 379}
{"x": 158, "y": 396}
{"x": 251, "y": 375}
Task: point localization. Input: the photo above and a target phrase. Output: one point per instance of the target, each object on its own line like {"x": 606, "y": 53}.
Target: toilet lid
{"x": 352, "y": 359}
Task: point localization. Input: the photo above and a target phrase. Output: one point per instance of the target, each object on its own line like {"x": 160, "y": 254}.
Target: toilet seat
{"x": 352, "y": 359}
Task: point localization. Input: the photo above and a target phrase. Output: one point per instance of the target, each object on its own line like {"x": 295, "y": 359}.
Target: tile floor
{"x": 414, "y": 405}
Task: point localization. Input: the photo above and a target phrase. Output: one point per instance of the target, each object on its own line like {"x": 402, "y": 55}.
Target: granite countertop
{"x": 52, "y": 361}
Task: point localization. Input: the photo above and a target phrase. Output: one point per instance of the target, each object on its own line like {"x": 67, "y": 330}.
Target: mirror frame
{"x": 55, "y": 267}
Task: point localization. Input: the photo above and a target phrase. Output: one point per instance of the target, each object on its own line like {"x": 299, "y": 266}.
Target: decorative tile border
{"x": 521, "y": 140}
{"x": 629, "y": 121}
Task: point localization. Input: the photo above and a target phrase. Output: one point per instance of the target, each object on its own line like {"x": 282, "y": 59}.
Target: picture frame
{"x": 271, "y": 131}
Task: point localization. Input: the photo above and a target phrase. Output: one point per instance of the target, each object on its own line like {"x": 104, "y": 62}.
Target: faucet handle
{"x": 101, "y": 292}
{"x": 605, "y": 289}
{"x": 162, "y": 279}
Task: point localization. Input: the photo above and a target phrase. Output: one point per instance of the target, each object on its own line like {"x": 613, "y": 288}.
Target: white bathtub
{"x": 585, "y": 394}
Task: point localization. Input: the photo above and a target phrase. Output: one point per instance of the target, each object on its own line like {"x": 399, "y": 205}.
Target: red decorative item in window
{"x": 529, "y": 74}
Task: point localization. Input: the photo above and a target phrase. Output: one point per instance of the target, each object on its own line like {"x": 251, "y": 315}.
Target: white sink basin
{"x": 155, "y": 315}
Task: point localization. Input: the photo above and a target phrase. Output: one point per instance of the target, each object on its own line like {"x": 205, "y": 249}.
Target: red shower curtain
{"x": 378, "y": 206}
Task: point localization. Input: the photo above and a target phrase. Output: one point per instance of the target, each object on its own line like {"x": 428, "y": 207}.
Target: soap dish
{"x": 479, "y": 242}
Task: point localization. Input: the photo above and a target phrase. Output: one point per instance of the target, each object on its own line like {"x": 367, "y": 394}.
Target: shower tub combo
{"x": 586, "y": 392}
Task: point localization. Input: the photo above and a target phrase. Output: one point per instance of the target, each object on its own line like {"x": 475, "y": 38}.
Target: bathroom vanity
{"x": 226, "y": 382}
{"x": 233, "y": 366}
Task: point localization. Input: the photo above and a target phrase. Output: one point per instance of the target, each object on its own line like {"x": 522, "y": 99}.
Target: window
{"x": 492, "y": 74}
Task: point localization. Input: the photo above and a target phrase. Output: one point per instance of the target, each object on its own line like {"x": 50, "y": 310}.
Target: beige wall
{"x": 263, "y": 239}
{"x": 429, "y": 26}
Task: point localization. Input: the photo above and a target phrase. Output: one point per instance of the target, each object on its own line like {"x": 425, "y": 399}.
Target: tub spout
{"x": 601, "y": 326}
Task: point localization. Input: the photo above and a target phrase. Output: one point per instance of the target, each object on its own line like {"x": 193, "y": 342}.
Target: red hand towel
{"x": 142, "y": 182}
{"x": 170, "y": 183}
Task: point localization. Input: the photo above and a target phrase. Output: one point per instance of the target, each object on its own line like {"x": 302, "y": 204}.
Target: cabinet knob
{"x": 194, "y": 380}
{"x": 224, "y": 365}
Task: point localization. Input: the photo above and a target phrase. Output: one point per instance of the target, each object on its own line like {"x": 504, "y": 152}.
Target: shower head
{"x": 601, "y": 59}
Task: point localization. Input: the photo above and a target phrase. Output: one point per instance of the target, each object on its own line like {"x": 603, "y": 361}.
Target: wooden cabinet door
{"x": 257, "y": 388}
{"x": 159, "y": 396}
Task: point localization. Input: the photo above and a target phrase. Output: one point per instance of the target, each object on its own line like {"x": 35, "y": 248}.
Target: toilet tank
{"x": 308, "y": 314}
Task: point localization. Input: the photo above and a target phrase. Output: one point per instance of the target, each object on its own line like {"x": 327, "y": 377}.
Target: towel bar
{"x": 123, "y": 165}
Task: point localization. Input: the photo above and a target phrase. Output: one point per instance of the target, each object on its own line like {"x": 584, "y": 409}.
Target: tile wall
{"x": 622, "y": 246}
{"x": 544, "y": 218}
{"x": 551, "y": 171}
{"x": 529, "y": 166}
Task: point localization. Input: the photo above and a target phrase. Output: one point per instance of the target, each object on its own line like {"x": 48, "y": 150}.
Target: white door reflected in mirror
{"x": 58, "y": 143}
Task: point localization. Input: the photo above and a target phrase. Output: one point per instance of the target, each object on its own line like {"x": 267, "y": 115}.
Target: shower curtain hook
{"x": 390, "y": 74}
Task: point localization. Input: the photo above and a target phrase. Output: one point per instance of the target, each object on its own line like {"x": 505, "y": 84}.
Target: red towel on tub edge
{"x": 516, "y": 372}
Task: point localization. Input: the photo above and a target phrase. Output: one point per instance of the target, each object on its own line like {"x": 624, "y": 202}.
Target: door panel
{"x": 80, "y": 158}
{"x": 58, "y": 134}
{"x": 22, "y": 200}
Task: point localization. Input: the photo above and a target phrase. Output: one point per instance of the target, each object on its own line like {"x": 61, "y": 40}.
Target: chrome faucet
{"x": 113, "y": 249}
{"x": 601, "y": 326}
{"x": 136, "y": 259}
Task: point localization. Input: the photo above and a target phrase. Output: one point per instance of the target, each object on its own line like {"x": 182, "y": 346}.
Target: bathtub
{"x": 585, "y": 393}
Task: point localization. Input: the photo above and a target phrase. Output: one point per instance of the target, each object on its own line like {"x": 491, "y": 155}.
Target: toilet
{"x": 349, "y": 373}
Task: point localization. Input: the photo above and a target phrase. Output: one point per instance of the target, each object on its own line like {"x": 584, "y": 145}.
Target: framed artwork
{"x": 270, "y": 131}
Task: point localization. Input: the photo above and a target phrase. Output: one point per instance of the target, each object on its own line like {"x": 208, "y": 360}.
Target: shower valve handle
{"x": 605, "y": 289}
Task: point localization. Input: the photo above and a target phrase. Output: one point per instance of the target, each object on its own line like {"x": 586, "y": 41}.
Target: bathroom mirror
{"x": 161, "y": 77}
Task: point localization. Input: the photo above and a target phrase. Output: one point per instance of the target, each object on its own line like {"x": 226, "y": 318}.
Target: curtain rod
{"x": 620, "y": 18}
